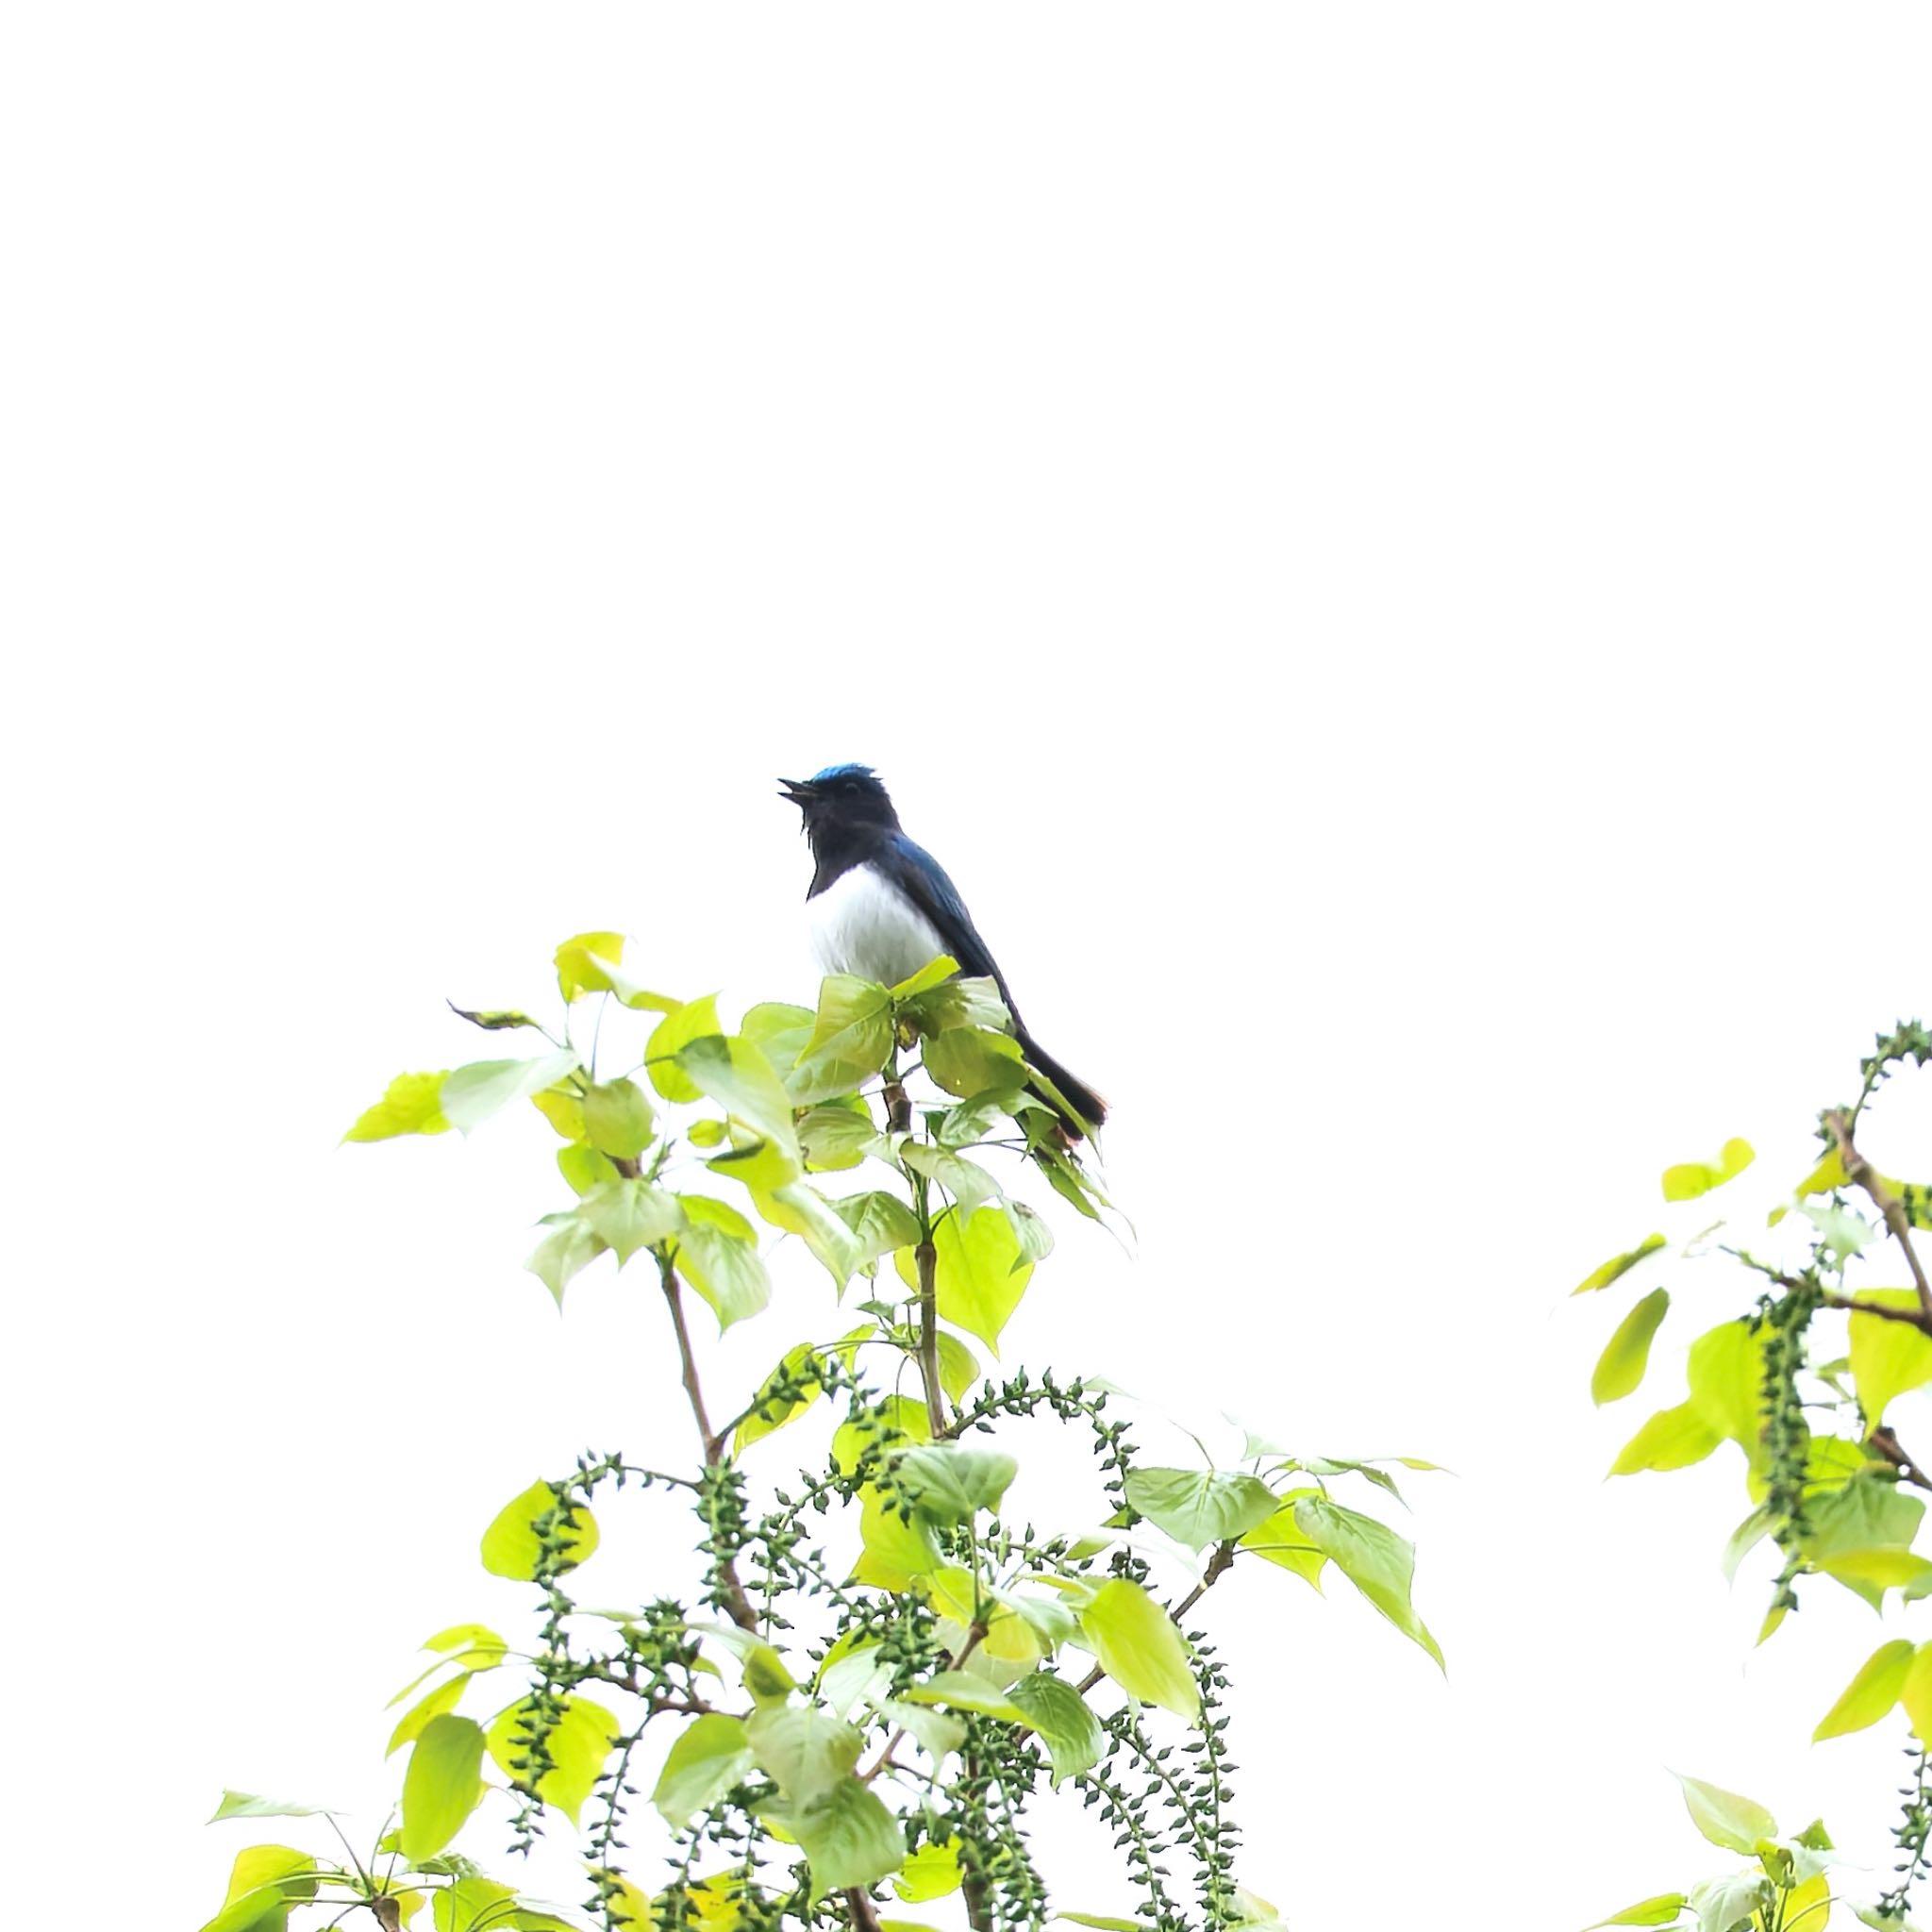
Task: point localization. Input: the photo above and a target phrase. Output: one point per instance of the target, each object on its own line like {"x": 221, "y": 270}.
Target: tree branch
{"x": 735, "y": 1603}
{"x": 1891, "y": 1210}
{"x": 865, "y": 1914}
{"x": 927, "y": 1262}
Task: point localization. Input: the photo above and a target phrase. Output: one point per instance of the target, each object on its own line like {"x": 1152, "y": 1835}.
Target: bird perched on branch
{"x": 881, "y": 907}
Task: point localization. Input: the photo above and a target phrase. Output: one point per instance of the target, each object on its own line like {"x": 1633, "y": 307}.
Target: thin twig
{"x": 1915, "y": 1318}
{"x": 1895, "y": 1452}
{"x": 707, "y": 1440}
{"x": 1860, "y": 1172}
{"x": 735, "y": 1603}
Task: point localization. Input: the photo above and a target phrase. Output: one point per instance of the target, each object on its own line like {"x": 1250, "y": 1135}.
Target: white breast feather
{"x": 863, "y": 924}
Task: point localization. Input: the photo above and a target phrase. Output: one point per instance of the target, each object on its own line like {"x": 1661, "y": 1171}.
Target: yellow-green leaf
{"x": 416, "y": 1719}
{"x": 711, "y": 1754}
{"x": 1617, "y": 1265}
{"x": 617, "y": 1119}
{"x": 1915, "y": 1693}
{"x": 1378, "y": 1562}
{"x": 1135, "y": 1641}
{"x": 578, "y": 971}
{"x": 978, "y": 1274}
{"x": 1888, "y": 1358}
{"x": 1664, "y": 1909}
{"x": 931, "y": 1871}
{"x": 695, "y": 1019}
{"x": 1738, "y": 1824}
{"x": 1691, "y": 1179}
{"x": 1870, "y": 1695}
{"x": 411, "y": 1105}
{"x": 1672, "y": 1439}
{"x": 579, "y": 1742}
{"x": 894, "y": 1552}
{"x": 1621, "y": 1367}
{"x": 441, "y": 1785}
{"x": 511, "y": 1546}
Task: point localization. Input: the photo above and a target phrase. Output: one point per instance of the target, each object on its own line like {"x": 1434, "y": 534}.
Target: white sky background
{"x": 1385, "y": 548}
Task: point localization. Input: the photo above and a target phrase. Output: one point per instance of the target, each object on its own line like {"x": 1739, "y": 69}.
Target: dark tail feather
{"x": 1090, "y": 1110}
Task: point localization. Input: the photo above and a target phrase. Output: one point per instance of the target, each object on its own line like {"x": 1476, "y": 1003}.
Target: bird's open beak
{"x": 799, "y": 791}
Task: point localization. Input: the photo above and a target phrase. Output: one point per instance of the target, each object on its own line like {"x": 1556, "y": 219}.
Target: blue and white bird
{"x": 881, "y": 907}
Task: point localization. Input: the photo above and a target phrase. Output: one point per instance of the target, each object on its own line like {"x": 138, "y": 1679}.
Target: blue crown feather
{"x": 832, "y": 772}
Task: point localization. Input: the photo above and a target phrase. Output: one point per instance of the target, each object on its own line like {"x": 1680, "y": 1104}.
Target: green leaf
{"x": 563, "y": 1254}
{"x": 411, "y": 1105}
{"x": 1621, "y": 1366}
{"x": 1200, "y": 1507}
{"x": 1034, "y": 1235}
{"x": 1738, "y": 1824}
{"x": 1281, "y": 1541}
{"x": 1726, "y": 1375}
{"x": 851, "y": 1040}
{"x": 1378, "y": 1562}
{"x": 848, "y": 1836}
{"x": 628, "y": 1215}
{"x": 804, "y": 1749}
{"x": 739, "y": 1078}
{"x": 931, "y": 1871}
{"x": 1134, "y": 1641}
{"x": 801, "y": 1209}
{"x": 879, "y": 1224}
{"x": 723, "y": 1268}
{"x": 1691, "y": 1178}
{"x": 584, "y": 1168}
{"x": 579, "y": 1743}
{"x": 1664, "y": 1909}
{"x": 778, "y": 1030}
{"x": 894, "y": 1552}
{"x": 495, "y": 1020}
{"x": 837, "y": 1137}
{"x": 934, "y": 973}
{"x": 1840, "y": 1233}
{"x": 956, "y": 1002}
{"x": 581, "y": 962}
{"x": 280, "y": 1868}
{"x": 1067, "y": 1727}
{"x": 1617, "y": 1265}
{"x": 1099, "y": 1923}
{"x": 1876, "y": 1687}
{"x": 965, "y": 1180}
{"x": 1915, "y": 1693}
{"x": 1888, "y": 1358}
{"x": 769, "y": 1414}
{"x": 959, "y": 1366}
{"x": 617, "y": 1119}
{"x": 442, "y": 1785}
{"x": 246, "y": 1805}
{"x": 473, "y": 1646}
{"x": 416, "y": 1720}
{"x": 471, "y": 1094}
{"x": 947, "y": 1482}
{"x": 978, "y": 1274}
{"x": 695, "y": 1019}
{"x": 711, "y": 1756}
{"x": 511, "y": 1546}
{"x": 972, "y": 1060}
{"x": 962, "y": 1691}
{"x": 1672, "y": 1439}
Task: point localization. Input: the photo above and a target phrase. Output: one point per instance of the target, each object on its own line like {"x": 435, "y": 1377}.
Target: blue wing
{"x": 923, "y": 880}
